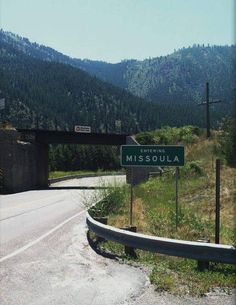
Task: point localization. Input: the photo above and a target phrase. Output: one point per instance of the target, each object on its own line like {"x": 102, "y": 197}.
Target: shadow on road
{"x": 94, "y": 245}
{"x": 76, "y": 188}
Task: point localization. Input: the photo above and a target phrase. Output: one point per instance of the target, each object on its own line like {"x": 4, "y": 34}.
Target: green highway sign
{"x": 152, "y": 155}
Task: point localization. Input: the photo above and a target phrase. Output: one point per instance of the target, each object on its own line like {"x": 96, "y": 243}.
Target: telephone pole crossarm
{"x": 212, "y": 102}
{"x": 207, "y": 103}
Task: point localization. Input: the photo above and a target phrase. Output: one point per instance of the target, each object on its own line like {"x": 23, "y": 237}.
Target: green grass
{"x": 113, "y": 201}
{"x": 154, "y": 214}
{"x": 58, "y": 174}
{"x": 181, "y": 276}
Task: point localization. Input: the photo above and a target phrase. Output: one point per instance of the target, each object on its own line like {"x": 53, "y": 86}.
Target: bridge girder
{"x": 70, "y": 137}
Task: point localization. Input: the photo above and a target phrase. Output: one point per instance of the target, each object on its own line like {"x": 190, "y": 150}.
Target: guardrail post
{"x": 102, "y": 220}
{"x": 128, "y": 250}
{"x": 203, "y": 265}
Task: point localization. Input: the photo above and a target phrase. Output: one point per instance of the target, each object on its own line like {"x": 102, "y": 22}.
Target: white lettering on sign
{"x": 83, "y": 129}
{"x": 154, "y": 158}
{"x": 140, "y": 158}
{"x": 129, "y": 158}
{"x": 152, "y": 150}
{"x": 176, "y": 159}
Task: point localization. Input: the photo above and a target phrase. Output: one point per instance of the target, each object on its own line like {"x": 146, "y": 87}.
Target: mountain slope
{"x": 112, "y": 73}
{"x": 42, "y": 92}
{"x": 176, "y": 78}
{"x": 54, "y": 95}
{"x": 181, "y": 76}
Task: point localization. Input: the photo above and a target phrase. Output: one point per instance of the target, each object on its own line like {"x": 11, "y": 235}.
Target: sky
{"x": 114, "y": 30}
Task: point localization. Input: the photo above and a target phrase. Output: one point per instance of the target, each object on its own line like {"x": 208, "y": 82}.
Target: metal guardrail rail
{"x": 79, "y": 176}
{"x": 187, "y": 249}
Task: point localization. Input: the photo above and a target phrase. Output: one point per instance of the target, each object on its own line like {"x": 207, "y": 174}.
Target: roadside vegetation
{"x": 59, "y": 174}
{"x": 154, "y": 210}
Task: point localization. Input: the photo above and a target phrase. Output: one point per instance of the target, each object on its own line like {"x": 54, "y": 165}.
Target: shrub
{"x": 113, "y": 201}
{"x": 169, "y": 135}
{"x": 189, "y": 138}
{"x": 145, "y": 138}
{"x": 192, "y": 168}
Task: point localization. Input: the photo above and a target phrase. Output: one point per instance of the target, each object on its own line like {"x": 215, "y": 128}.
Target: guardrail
{"x": 187, "y": 249}
{"x": 54, "y": 180}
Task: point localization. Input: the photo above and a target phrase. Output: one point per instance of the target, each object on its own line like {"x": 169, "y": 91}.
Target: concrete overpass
{"x": 24, "y": 156}
{"x": 70, "y": 137}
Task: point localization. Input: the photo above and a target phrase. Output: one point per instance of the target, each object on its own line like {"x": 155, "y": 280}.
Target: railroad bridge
{"x": 24, "y": 155}
{"x": 70, "y": 137}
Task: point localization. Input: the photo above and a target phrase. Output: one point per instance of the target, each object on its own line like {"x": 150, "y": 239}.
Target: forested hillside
{"x": 54, "y": 95}
{"x": 177, "y": 78}
{"x": 43, "y": 93}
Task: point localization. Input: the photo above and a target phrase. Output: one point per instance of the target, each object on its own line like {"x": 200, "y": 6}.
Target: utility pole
{"x": 207, "y": 111}
{"x": 217, "y": 209}
{"x": 106, "y": 119}
{"x": 208, "y": 103}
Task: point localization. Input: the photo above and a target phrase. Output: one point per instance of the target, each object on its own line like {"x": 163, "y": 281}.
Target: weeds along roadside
{"x": 175, "y": 275}
{"x": 154, "y": 214}
{"x": 59, "y": 174}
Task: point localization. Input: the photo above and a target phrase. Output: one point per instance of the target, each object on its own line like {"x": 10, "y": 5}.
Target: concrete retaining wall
{"x": 24, "y": 164}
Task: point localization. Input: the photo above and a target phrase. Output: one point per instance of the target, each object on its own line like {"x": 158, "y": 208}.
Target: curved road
{"x": 45, "y": 257}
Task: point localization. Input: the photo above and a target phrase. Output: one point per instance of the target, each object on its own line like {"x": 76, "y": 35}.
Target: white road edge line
{"x": 34, "y": 242}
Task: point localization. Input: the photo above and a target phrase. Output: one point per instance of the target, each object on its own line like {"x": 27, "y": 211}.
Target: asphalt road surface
{"x": 45, "y": 257}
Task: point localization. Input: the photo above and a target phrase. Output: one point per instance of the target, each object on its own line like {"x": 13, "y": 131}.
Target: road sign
{"x": 2, "y": 103}
{"x": 118, "y": 123}
{"x": 83, "y": 129}
{"x": 152, "y": 155}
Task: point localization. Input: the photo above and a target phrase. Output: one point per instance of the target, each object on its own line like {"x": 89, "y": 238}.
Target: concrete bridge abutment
{"x": 24, "y": 165}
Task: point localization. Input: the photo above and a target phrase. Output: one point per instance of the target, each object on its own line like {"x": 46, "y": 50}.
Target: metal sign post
{"x": 176, "y": 197}
{"x": 151, "y": 156}
{"x": 131, "y": 197}
{"x": 217, "y": 209}
{"x": 131, "y": 204}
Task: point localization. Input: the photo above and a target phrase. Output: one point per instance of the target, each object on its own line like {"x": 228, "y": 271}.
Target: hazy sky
{"x": 113, "y": 30}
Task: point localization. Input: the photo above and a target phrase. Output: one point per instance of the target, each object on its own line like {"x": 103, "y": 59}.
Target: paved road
{"x": 45, "y": 257}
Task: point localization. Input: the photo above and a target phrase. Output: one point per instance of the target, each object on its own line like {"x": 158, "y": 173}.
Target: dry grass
{"x": 196, "y": 194}
{"x": 153, "y": 208}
